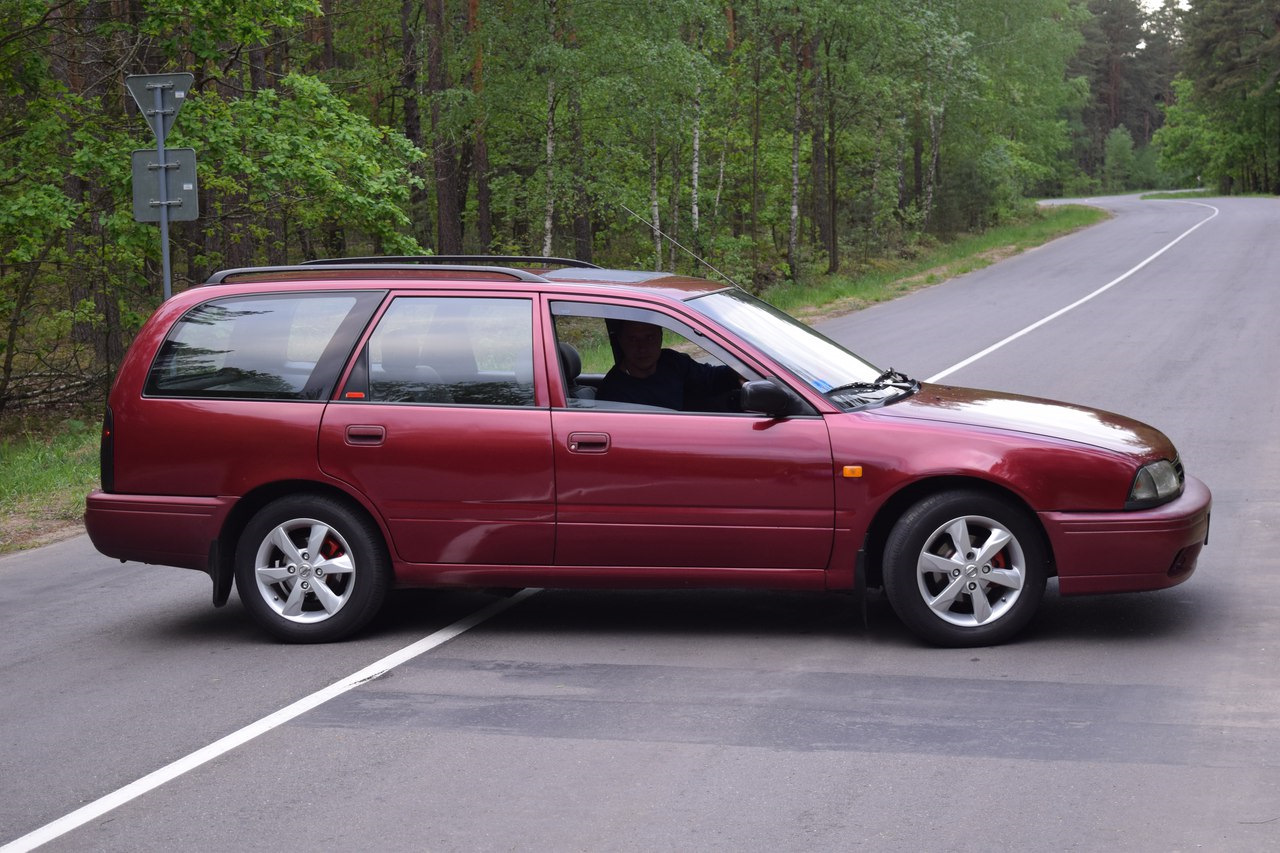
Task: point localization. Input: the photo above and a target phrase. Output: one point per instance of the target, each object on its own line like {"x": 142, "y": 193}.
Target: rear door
{"x": 440, "y": 426}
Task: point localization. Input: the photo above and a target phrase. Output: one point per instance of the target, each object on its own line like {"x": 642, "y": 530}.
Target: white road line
{"x": 1055, "y": 315}
{"x": 154, "y": 780}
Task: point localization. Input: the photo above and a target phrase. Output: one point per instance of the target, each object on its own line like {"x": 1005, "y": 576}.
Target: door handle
{"x": 588, "y": 442}
{"x": 366, "y": 435}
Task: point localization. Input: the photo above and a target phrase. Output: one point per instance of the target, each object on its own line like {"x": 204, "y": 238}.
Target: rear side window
{"x": 270, "y": 347}
{"x": 469, "y": 351}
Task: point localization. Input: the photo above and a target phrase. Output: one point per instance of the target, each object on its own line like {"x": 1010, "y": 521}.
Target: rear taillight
{"x": 107, "y": 452}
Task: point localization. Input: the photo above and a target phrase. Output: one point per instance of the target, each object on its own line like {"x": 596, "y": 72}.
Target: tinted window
{"x": 275, "y": 347}
{"x": 452, "y": 350}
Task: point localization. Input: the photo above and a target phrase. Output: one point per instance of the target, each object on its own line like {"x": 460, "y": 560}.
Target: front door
{"x": 692, "y": 490}
{"x": 655, "y": 467}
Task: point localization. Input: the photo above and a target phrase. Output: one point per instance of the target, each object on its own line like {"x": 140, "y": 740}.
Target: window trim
{"x": 359, "y": 372}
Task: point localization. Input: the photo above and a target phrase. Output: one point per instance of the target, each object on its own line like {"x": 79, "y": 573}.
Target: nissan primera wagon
{"x": 321, "y": 434}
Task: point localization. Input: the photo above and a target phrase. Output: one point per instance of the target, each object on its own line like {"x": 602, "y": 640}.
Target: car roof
{"x": 483, "y": 270}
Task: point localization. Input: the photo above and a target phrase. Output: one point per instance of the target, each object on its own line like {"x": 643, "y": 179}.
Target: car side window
{"x": 271, "y": 347}
{"x": 630, "y": 359}
{"x": 449, "y": 350}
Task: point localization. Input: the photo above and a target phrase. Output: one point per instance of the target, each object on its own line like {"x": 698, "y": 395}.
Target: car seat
{"x": 571, "y": 364}
{"x": 403, "y": 378}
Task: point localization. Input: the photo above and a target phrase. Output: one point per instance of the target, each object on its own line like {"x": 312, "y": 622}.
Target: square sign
{"x": 160, "y": 111}
{"x": 181, "y": 191}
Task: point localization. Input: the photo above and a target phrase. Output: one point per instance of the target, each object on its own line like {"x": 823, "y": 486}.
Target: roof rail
{"x": 456, "y": 259}
{"x": 356, "y": 264}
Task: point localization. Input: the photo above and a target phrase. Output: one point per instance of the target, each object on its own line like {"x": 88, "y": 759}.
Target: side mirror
{"x": 766, "y": 397}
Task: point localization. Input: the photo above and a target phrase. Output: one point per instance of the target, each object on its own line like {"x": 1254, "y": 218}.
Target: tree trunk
{"x": 20, "y": 299}
{"x": 755, "y": 170}
{"x": 582, "y": 231}
{"x": 695, "y": 161}
{"x": 480, "y": 152}
{"x": 654, "y": 213}
{"x": 413, "y": 117}
{"x": 484, "y": 195}
{"x": 724, "y": 158}
{"x": 917, "y": 164}
{"x": 935, "y": 157}
{"x": 672, "y": 234}
{"x": 832, "y": 206}
{"x": 444, "y": 150}
{"x": 549, "y": 211}
{"x": 821, "y": 213}
{"x": 793, "y": 233}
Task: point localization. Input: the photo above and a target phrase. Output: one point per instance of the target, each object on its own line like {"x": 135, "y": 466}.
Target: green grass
{"x": 1176, "y": 194}
{"x": 48, "y": 465}
{"x": 885, "y": 278}
{"x": 46, "y": 469}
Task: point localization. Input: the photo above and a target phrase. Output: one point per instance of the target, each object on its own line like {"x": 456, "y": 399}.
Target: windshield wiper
{"x": 888, "y": 379}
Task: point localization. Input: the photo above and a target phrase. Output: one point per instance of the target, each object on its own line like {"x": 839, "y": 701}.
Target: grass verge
{"x": 47, "y": 466}
{"x": 49, "y": 463}
{"x": 886, "y": 278}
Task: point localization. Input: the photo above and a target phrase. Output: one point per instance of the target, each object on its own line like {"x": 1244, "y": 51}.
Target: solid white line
{"x": 1055, "y": 315}
{"x": 154, "y": 780}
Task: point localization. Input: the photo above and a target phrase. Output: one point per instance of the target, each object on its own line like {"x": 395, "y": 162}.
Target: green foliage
{"x": 45, "y": 472}
{"x": 285, "y": 170}
{"x": 770, "y": 137}
{"x": 1128, "y": 58}
{"x": 887, "y": 278}
{"x": 297, "y": 154}
{"x": 205, "y": 29}
{"x": 1118, "y": 160}
{"x": 1222, "y": 122}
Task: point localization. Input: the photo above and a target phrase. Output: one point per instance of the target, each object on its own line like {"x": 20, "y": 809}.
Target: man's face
{"x": 641, "y": 344}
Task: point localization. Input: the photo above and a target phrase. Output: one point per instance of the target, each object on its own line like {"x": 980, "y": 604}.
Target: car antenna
{"x": 679, "y": 245}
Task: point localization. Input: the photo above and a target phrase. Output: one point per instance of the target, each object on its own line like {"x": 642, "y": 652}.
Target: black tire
{"x": 294, "y": 596}
{"x": 979, "y": 595}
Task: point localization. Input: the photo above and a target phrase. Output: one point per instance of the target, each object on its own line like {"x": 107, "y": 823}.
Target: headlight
{"x": 1156, "y": 483}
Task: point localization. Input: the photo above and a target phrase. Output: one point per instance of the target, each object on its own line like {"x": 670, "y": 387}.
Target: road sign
{"x": 160, "y": 96}
{"x": 180, "y": 196}
{"x": 164, "y": 184}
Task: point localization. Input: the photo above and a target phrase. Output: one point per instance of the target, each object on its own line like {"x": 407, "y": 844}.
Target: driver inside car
{"x": 646, "y": 372}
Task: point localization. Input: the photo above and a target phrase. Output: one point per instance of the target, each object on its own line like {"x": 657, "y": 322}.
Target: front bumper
{"x": 1098, "y": 552}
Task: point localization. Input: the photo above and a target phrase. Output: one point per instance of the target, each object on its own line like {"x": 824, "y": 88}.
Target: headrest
{"x": 401, "y": 350}
{"x": 571, "y": 361}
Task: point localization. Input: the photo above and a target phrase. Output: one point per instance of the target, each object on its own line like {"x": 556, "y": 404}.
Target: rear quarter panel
{"x": 209, "y": 448}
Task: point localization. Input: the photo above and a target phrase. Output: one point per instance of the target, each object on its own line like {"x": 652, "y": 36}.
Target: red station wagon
{"x": 322, "y": 433}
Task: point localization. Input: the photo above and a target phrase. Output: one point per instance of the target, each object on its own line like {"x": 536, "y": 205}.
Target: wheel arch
{"x": 222, "y": 560}
{"x": 892, "y": 509}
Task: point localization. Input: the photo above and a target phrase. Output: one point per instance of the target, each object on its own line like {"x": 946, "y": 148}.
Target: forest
{"x": 780, "y": 140}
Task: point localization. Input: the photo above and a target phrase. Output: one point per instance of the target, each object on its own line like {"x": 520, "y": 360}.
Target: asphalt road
{"x": 734, "y": 721}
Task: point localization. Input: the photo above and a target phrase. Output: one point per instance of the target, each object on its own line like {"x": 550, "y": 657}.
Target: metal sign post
{"x": 160, "y": 96}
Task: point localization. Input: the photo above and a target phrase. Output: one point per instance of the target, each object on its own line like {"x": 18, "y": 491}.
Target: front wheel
{"x": 310, "y": 569}
{"x": 965, "y": 569}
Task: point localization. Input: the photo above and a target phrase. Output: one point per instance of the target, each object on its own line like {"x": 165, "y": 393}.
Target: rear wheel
{"x": 311, "y": 570}
{"x": 965, "y": 569}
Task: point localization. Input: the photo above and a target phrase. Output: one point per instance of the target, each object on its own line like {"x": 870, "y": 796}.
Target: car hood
{"x": 1034, "y": 416}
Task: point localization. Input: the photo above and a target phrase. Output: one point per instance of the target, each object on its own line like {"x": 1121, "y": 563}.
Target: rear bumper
{"x": 159, "y": 529}
{"x": 1130, "y": 551}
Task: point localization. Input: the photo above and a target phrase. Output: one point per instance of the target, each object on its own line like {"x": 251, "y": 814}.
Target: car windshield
{"x": 817, "y": 360}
